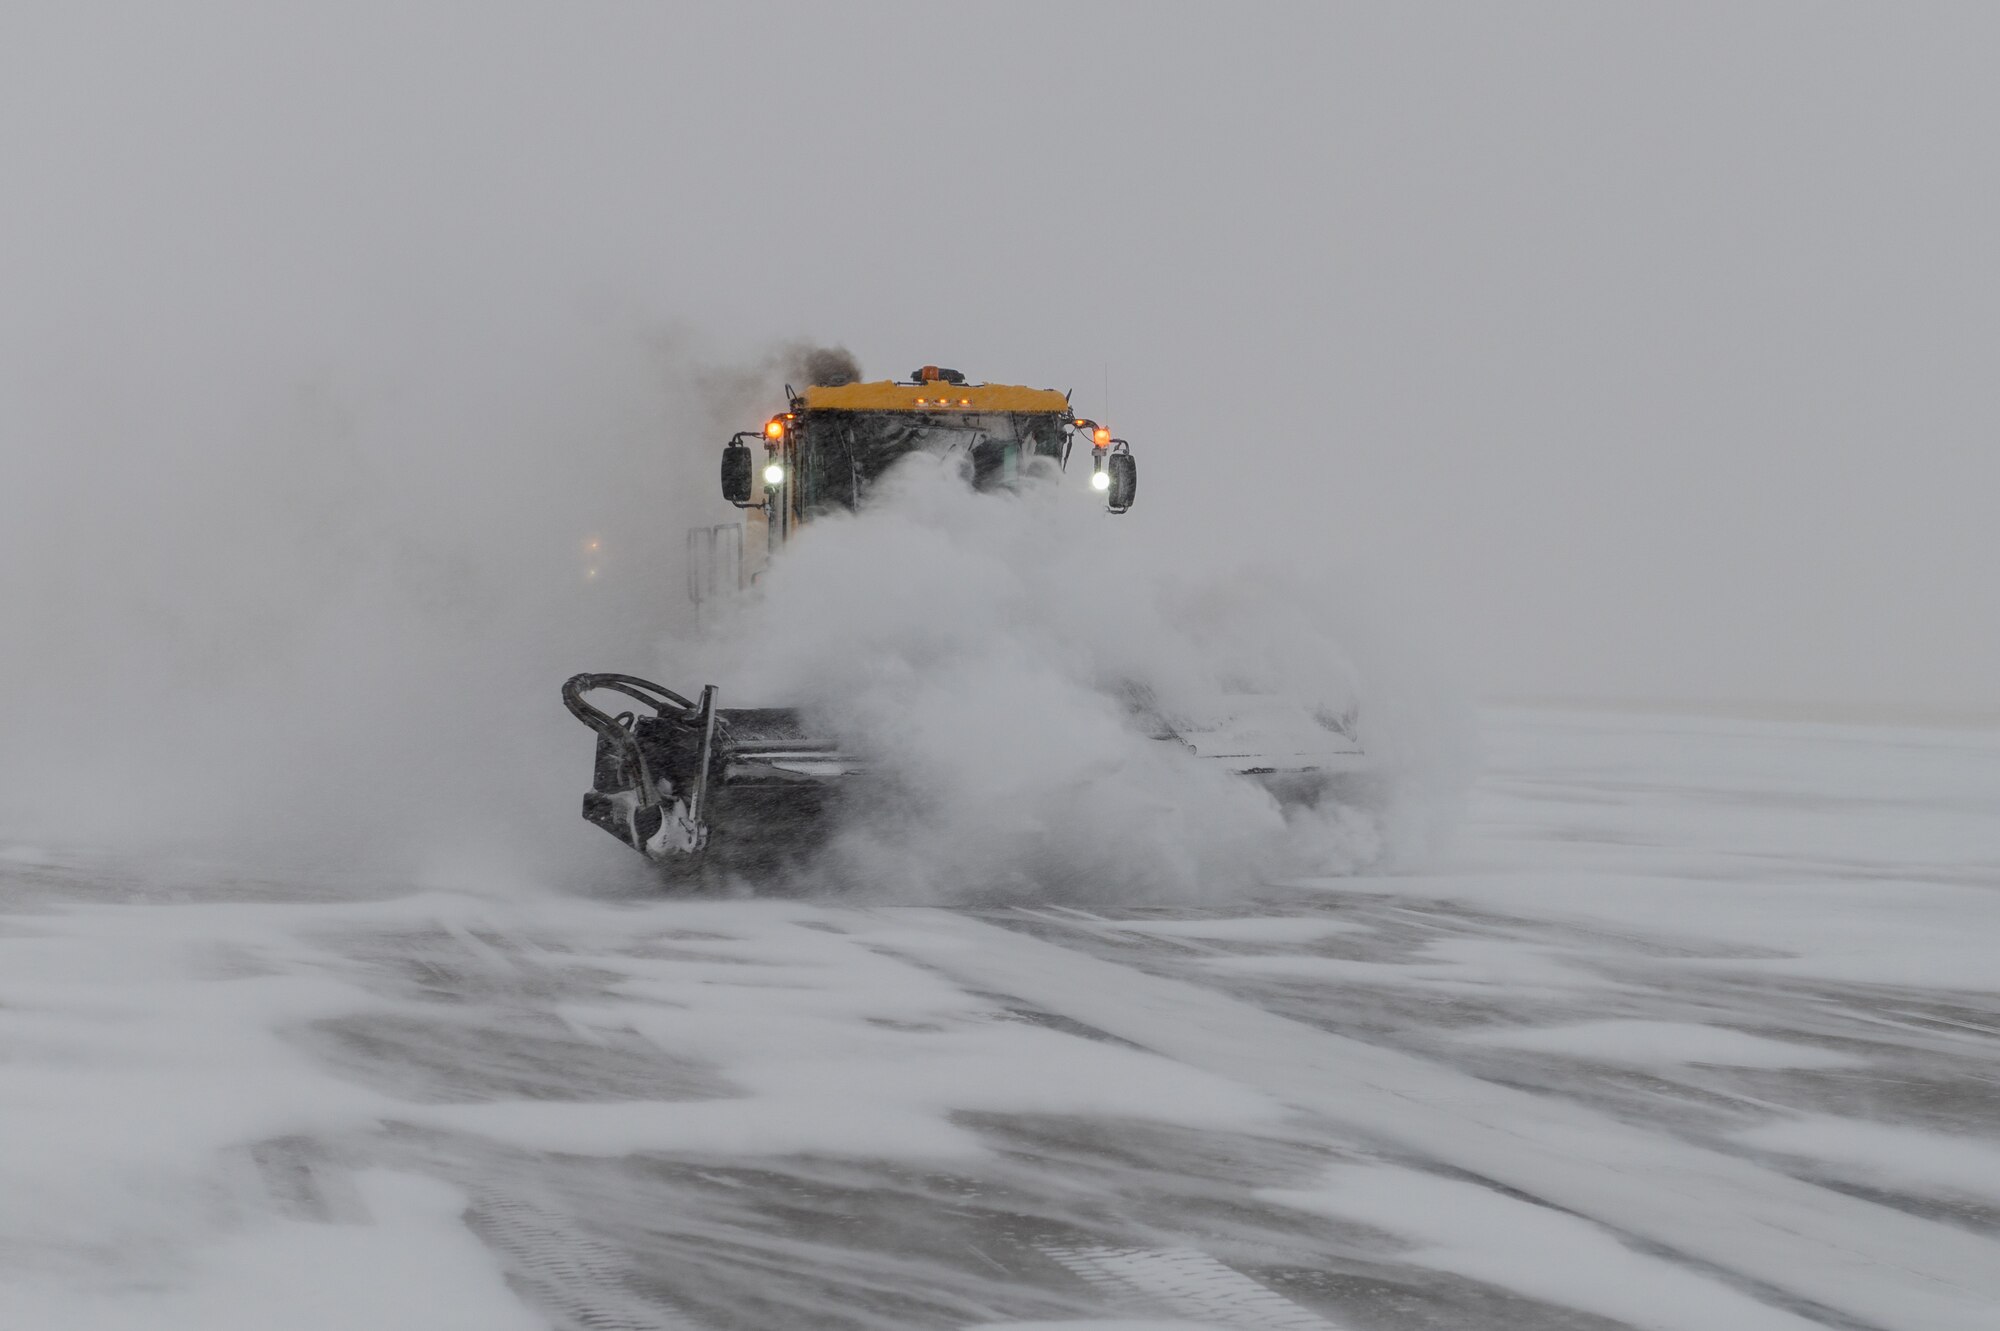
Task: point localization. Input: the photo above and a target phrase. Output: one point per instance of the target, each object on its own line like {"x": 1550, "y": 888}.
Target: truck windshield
{"x": 842, "y": 453}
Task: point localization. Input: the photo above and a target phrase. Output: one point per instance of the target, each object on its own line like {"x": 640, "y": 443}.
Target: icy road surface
{"x": 1699, "y": 1029}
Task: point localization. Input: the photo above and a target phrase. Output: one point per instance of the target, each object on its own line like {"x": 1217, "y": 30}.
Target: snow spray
{"x": 980, "y": 648}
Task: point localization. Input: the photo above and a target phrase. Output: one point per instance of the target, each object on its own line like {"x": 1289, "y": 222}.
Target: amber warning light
{"x": 775, "y": 429}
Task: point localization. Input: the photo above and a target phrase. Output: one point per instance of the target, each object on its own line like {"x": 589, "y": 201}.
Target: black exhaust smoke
{"x": 829, "y": 366}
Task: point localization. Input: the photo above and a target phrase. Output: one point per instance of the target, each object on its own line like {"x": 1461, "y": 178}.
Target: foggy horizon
{"x": 1642, "y": 371}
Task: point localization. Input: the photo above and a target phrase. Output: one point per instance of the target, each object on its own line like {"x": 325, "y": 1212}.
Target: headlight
{"x": 1100, "y": 480}
{"x": 774, "y": 474}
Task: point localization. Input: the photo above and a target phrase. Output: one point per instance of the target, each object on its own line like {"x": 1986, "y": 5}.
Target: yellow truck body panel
{"x": 888, "y": 395}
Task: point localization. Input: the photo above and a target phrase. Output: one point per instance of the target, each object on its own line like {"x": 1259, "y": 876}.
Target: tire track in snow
{"x": 1814, "y": 1248}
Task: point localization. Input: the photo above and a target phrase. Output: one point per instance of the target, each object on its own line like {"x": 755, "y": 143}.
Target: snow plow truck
{"x": 695, "y": 786}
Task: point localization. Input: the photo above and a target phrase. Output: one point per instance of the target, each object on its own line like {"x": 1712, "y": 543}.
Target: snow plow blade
{"x": 693, "y": 786}
{"x": 1300, "y": 756}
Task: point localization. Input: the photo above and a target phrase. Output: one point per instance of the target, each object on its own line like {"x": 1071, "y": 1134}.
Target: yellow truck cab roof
{"x": 888, "y": 395}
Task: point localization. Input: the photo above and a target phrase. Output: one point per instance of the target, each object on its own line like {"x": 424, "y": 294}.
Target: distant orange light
{"x": 920, "y": 402}
{"x": 775, "y": 430}
{"x": 965, "y": 402}
{"x": 1100, "y": 436}
{"x": 1081, "y": 424}
{"x": 592, "y": 545}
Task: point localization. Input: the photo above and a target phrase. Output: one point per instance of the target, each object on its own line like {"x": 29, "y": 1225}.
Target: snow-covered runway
{"x": 1698, "y": 1028}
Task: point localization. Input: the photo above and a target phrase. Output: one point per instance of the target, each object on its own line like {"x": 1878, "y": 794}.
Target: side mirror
{"x": 1124, "y": 473}
{"x": 737, "y": 467}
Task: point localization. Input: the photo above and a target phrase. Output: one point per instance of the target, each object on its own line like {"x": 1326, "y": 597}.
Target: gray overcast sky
{"x": 1652, "y": 347}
